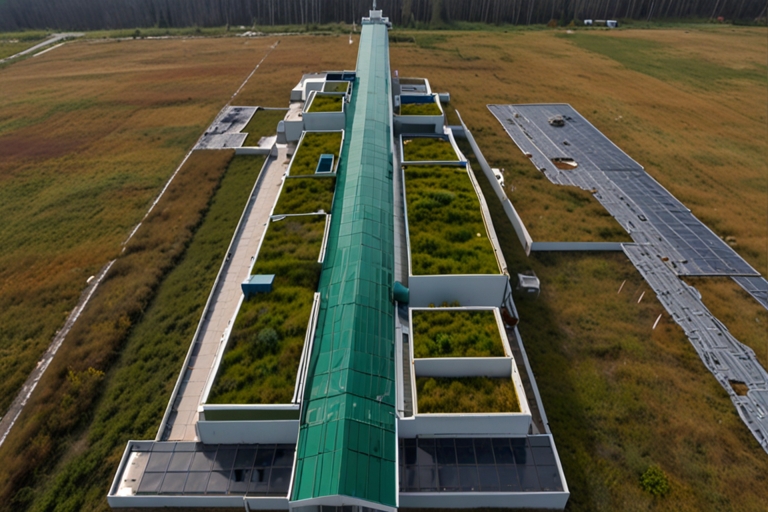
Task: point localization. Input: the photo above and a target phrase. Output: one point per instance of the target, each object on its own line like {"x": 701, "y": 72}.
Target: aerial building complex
{"x": 367, "y": 267}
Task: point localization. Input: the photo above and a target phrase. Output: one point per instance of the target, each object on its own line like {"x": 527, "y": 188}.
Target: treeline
{"x": 114, "y": 14}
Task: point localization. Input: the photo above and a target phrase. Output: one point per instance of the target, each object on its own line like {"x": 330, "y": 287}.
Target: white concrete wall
{"x": 324, "y": 121}
{"x": 476, "y": 425}
{"x": 517, "y": 223}
{"x": 293, "y": 130}
{"x": 467, "y": 290}
{"x": 248, "y": 432}
{"x": 462, "y": 367}
{"x": 527, "y": 500}
{"x": 576, "y": 246}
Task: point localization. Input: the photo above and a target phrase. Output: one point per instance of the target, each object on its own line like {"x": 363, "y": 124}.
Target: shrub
{"x": 262, "y": 124}
{"x": 420, "y": 109}
{"x": 312, "y": 146}
{"x": 455, "y": 333}
{"x": 420, "y": 149}
{"x": 444, "y": 221}
{"x": 326, "y": 104}
{"x": 466, "y": 395}
{"x": 265, "y": 345}
{"x": 306, "y": 195}
{"x": 655, "y": 481}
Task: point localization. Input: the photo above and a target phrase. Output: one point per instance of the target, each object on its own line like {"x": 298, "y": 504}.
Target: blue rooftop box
{"x": 260, "y": 283}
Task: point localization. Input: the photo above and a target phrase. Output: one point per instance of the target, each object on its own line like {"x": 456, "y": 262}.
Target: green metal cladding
{"x": 347, "y": 441}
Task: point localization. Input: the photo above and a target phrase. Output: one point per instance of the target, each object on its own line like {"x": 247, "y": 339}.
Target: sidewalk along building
{"x": 390, "y": 310}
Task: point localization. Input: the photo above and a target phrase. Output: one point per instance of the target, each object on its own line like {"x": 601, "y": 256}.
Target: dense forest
{"x": 111, "y": 14}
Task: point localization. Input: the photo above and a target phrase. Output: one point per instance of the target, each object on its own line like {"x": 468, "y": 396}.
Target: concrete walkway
{"x": 224, "y": 303}
{"x": 53, "y": 38}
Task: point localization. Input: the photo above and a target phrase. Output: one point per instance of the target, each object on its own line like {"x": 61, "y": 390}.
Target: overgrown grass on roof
{"x": 326, "y": 104}
{"x": 335, "y": 86}
{"x": 419, "y": 109}
{"x": 264, "y": 348}
{"x": 262, "y": 124}
{"x": 306, "y": 195}
{"x": 445, "y": 222}
{"x": 456, "y": 333}
{"x": 466, "y": 395}
{"x": 419, "y": 149}
{"x": 312, "y": 146}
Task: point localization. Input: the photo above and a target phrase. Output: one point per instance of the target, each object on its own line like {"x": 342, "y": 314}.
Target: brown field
{"x": 112, "y": 120}
{"x": 88, "y": 135}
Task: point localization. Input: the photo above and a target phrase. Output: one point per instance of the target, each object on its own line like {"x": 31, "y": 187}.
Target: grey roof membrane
{"x": 670, "y": 241}
{"x": 522, "y": 464}
{"x": 638, "y": 202}
{"x": 225, "y": 130}
{"x": 195, "y": 469}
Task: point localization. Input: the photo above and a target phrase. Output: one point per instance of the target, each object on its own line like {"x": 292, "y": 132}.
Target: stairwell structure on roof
{"x": 346, "y": 453}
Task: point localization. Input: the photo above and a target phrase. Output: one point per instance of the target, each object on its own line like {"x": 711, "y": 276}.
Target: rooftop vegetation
{"x": 456, "y": 333}
{"x": 306, "y": 195}
{"x": 446, "y": 228}
{"x": 420, "y": 109}
{"x": 466, "y": 395}
{"x": 262, "y": 124}
{"x": 264, "y": 348}
{"x": 335, "y": 86}
{"x": 418, "y": 149}
{"x": 312, "y": 146}
{"x": 326, "y": 103}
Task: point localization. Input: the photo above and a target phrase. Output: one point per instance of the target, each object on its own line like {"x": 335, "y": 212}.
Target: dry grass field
{"x": 88, "y": 135}
{"x": 90, "y": 131}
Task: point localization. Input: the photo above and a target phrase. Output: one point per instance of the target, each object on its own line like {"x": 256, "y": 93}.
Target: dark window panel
{"x": 284, "y": 455}
{"x": 411, "y": 479}
{"x": 448, "y": 478}
{"x": 196, "y": 483}
{"x": 218, "y": 483}
{"x": 265, "y": 455}
{"x": 239, "y": 480}
{"x": 150, "y": 483}
{"x": 544, "y": 456}
{"x": 502, "y": 451}
{"x": 529, "y": 479}
{"x": 224, "y": 460}
{"x": 203, "y": 460}
{"x": 180, "y": 461}
{"x": 446, "y": 451}
{"x": 484, "y": 451}
{"x": 259, "y": 481}
{"x": 465, "y": 451}
{"x": 508, "y": 479}
{"x": 468, "y": 478}
{"x": 426, "y": 453}
{"x": 158, "y": 461}
{"x": 427, "y": 479}
{"x": 522, "y": 452}
{"x": 549, "y": 478}
{"x": 489, "y": 478}
{"x": 280, "y": 481}
{"x": 173, "y": 483}
{"x": 245, "y": 457}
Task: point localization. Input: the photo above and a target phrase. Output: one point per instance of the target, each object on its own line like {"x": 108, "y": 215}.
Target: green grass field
{"x": 428, "y": 149}
{"x": 445, "y": 223}
{"x": 312, "y": 146}
{"x": 326, "y": 104}
{"x": 306, "y": 195}
{"x": 262, "y": 124}
{"x": 466, "y": 395}
{"x": 450, "y": 333}
{"x": 264, "y": 348}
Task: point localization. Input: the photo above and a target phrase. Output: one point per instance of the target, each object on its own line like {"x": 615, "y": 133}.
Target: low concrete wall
{"x": 471, "y": 500}
{"x": 253, "y": 151}
{"x": 463, "y": 367}
{"x": 467, "y": 290}
{"x": 476, "y": 425}
{"x": 576, "y": 246}
{"x": 248, "y": 432}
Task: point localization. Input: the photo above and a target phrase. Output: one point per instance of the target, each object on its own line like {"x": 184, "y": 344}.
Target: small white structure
{"x": 529, "y": 284}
